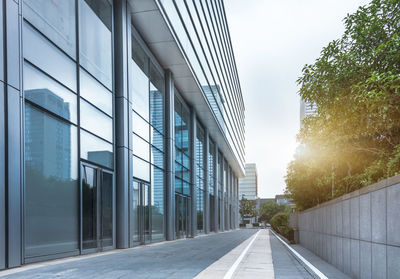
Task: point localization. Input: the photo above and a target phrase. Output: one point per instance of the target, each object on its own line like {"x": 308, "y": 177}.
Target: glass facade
{"x": 201, "y": 28}
{"x": 147, "y": 87}
{"x": 102, "y": 141}
{"x": 200, "y": 173}
{"x": 182, "y": 166}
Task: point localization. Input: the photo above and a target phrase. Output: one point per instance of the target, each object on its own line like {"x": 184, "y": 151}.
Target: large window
{"x": 200, "y": 175}
{"x": 147, "y": 92}
{"x": 182, "y": 148}
{"x": 95, "y": 42}
{"x": 53, "y": 110}
{"x": 51, "y": 181}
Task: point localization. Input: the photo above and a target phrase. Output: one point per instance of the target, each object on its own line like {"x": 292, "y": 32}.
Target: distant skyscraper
{"x": 248, "y": 186}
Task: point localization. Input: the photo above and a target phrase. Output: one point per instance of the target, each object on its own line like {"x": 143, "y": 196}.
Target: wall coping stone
{"x": 365, "y": 190}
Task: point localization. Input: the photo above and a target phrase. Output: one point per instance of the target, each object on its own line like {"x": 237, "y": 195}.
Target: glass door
{"x": 182, "y": 216}
{"x": 97, "y": 209}
{"x": 140, "y": 213}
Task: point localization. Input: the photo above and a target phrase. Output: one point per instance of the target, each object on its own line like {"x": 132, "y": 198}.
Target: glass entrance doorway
{"x": 140, "y": 213}
{"x": 97, "y": 209}
{"x": 182, "y": 216}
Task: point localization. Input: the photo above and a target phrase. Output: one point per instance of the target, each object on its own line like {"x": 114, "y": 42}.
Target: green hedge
{"x": 280, "y": 223}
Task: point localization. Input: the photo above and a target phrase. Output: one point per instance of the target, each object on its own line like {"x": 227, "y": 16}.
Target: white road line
{"x": 307, "y": 263}
{"x": 235, "y": 265}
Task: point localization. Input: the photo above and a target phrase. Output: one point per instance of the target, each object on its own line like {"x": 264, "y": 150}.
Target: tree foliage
{"x": 269, "y": 209}
{"x": 247, "y": 208}
{"x": 354, "y": 138}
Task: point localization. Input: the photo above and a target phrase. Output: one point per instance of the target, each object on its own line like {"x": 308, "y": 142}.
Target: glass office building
{"x": 121, "y": 124}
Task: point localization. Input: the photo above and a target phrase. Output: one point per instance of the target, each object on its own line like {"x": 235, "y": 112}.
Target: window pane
{"x": 157, "y": 157}
{"x": 140, "y": 127}
{"x": 140, "y": 90}
{"x": 49, "y": 94}
{"x": 186, "y": 188}
{"x": 42, "y": 53}
{"x": 96, "y": 150}
{"x": 141, "y": 148}
{"x": 55, "y": 19}
{"x": 51, "y": 223}
{"x": 95, "y": 39}
{"x": 157, "y": 139}
{"x": 157, "y": 202}
{"x": 141, "y": 169}
{"x": 157, "y": 108}
{"x": 95, "y": 93}
{"x": 95, "y": 121}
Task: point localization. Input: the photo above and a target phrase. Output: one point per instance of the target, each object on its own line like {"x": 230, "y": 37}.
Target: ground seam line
{"x": 300, "y": 257}
{"x": 235, "y": 265}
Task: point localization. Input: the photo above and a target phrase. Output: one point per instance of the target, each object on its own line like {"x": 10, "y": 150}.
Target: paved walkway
{"x": 246, "y": 253}
{"x": 251, "y": 259}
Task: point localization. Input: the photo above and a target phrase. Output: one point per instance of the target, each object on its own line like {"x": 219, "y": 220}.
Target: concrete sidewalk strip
{"x": 256, "y": 263}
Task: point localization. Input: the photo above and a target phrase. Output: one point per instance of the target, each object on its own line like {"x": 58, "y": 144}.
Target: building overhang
{"x": 150, "y": 21}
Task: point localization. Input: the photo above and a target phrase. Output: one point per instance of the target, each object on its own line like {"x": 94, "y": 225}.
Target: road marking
{"x": 235, "y": 265}
{"x": 307, "y": 263}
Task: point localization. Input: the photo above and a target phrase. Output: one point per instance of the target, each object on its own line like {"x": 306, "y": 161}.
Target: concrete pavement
{"x": 246, "y": 253}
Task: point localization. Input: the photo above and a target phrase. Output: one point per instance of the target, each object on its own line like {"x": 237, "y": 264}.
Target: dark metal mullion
{"x": 97, "y": 136}
{"x": 99, "y": 109}
{"x": 222, "y": 20}
{"x": 233, "y": 54}
{"x": 218, "y": 44}
{"x": 214, "y": 47}
{"x": 187, "y": 33}
{"x": 222, "y": 47}
{"x": 202, "y": 48}
{"x": 221, "y": 28}
{"x": 80, "y": 192}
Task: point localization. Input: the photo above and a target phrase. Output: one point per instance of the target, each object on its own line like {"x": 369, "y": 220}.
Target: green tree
{"x": 354, "y": 138}
{"x": 247, "y": 208}
{"x": 269, "y": 209}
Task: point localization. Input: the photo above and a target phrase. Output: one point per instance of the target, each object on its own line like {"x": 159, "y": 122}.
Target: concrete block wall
{"x": 359, "y": 233}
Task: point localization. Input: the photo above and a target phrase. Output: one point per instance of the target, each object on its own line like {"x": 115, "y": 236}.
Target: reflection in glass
{"x": 96, "y": 150}
{"x": 55, "y": 19}
{"x": 141, "y": 169}
{"x": 95, "y": 93}
{"x": 141, "y": 148}
{"x": 157, "y": 157}
{"x": 49, "y": 94}
{"x": 89, "y": 210}
{"x": 96, "y": 121}
{"x": 43, "y": 54}
{"x": 157, "y": 203}
{"x": 157, "y": 139}
{"x": 107, "y": 209}
{"x": 51, "y": 221}
{"x": 140, "y": 126}
{"x": 134, "y": 216}
{"x": 140, "y": 90}
{"x": 95, "y": 51}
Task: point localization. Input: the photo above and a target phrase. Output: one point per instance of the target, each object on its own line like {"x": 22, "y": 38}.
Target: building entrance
{"x": 182, "y": 216}
{"x": 97, "y": 209}
{"x": 141, "y": 209}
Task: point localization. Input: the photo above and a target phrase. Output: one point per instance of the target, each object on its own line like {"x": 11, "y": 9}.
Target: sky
{"x": 272, "y": 41}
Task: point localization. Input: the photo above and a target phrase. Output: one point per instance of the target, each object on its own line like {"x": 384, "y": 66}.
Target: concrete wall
{"x": 359, "y": 233}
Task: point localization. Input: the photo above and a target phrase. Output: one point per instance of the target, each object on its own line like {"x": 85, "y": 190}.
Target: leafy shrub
{"x": 242, "y": 225}
{"x": 256, "y": 224}
{"x": 280, "y": 223}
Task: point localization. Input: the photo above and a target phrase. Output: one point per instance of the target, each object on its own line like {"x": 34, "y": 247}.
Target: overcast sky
{"x": 272, "y": 40}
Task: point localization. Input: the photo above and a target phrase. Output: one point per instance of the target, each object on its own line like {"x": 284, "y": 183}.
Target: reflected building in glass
{"x": 122, "y": 124}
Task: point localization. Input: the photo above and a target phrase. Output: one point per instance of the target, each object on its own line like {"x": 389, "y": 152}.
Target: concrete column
{"x": 216, "y": 194}
{"x": 193, "y": 135}
{"x": 170, "y": 156}
{"x": 13, "y": 128}
{"x": 123, "y": 116}
{"x": 206, "y": 184}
